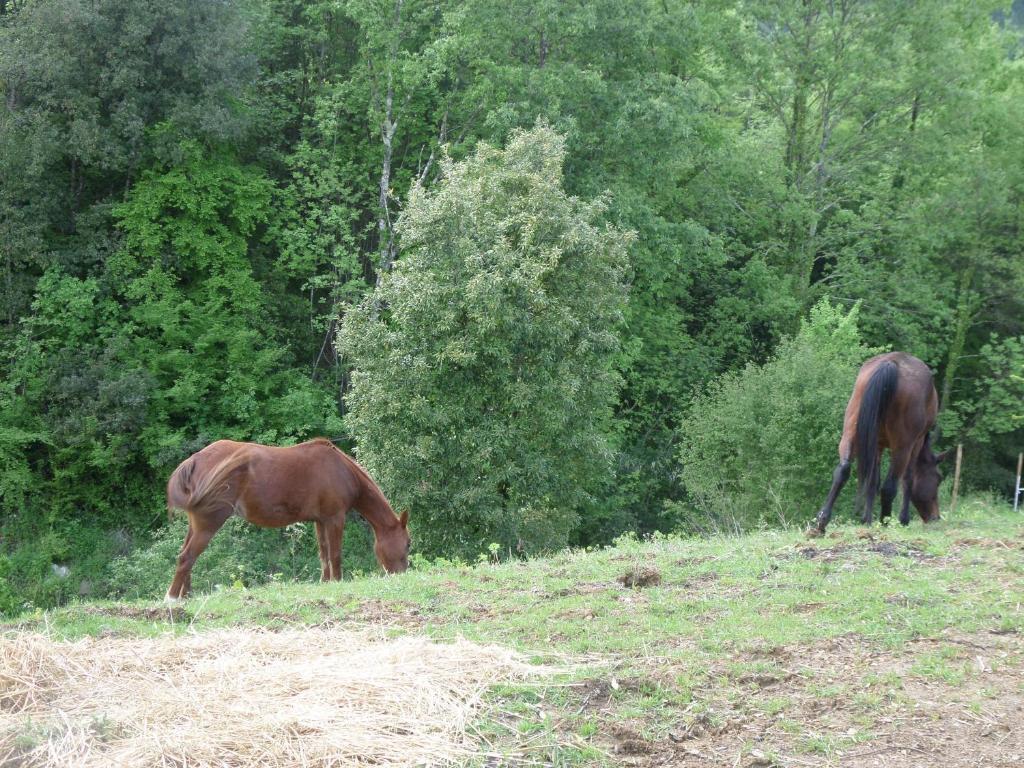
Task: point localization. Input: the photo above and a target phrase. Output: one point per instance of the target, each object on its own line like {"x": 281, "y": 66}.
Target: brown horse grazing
{"x": 273, "y": 487}
{"x": 893, "y": 406}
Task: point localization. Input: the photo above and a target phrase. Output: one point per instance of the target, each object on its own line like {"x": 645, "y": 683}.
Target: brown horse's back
{"x": 268, "y": 485}
{"x": 913, "y": 403}
{"x": 297, "y": 483}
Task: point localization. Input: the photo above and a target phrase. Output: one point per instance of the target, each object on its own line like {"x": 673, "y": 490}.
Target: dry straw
{"x": 312, "y": 697}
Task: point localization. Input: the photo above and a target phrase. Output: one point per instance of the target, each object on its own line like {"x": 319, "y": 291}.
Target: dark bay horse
{"x": 893, "y": 406}
{"x": 273, "y": 487}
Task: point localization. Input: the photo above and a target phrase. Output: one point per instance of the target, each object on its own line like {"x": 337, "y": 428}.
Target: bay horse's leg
{"x": 870, "y": 489}
{"x": 900, "y": 469}
{"x": 888, "y": 493}
{"x": 905, "y": 506}
{"x": 839, "y": 478}
{"x": 201, "y": 530}
{"x": 325, "y": 561}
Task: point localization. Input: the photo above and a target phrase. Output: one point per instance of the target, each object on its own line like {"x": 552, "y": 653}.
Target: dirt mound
{"x": 640, "y": 576}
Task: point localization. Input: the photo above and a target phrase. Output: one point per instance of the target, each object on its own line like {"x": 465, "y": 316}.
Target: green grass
{"x": 725, "y": 631}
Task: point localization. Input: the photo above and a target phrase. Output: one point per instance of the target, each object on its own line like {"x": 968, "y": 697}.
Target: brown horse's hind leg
{"x": 187, "y": 584}
{"x": 839, "y": 478}
{"x": 200, "y": 531}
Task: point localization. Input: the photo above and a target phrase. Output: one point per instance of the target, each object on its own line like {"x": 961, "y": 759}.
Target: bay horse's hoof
{"x": 168, "y": 600}
{"x": 814, "y": 532}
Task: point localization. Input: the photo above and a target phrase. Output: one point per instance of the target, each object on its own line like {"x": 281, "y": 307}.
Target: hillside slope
{"x": 881, "y": 646}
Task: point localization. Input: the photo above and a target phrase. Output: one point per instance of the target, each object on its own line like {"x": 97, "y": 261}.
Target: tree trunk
{"x": 966, "y": 307}
{"x": 385, "y": 226}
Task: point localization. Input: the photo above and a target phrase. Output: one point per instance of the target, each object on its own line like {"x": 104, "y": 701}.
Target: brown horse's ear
{"x": 404, "y": 518}
{"x": 942, "y": 457}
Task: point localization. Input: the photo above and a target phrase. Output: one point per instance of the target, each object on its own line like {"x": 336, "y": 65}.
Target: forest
{"x": 553, "y": 271}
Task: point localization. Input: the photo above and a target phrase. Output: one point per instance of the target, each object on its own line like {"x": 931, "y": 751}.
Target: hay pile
{"x": 244, "y": 698}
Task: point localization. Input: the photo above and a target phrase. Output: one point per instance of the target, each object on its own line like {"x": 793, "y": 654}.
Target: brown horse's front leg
{"x": 334, "y": 532}
{"x": 899, "y": 469}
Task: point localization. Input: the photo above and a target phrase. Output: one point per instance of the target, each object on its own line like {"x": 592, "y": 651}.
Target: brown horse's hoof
{"x": 814, "y": 532}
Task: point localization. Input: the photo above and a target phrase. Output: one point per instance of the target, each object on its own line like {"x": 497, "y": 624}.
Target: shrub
{"x": 759, "y": 446}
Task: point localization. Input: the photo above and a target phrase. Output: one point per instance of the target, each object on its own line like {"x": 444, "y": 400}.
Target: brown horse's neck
{"x": 371, "y": 502}
{"x": 375, "y": 508}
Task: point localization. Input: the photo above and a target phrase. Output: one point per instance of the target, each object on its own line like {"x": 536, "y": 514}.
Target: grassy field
{"x": 880, "y": 646}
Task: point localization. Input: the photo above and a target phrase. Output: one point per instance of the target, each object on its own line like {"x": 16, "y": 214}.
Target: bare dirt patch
{"x": 390, "y": 613}
{"x": 986, "y": 543}
{"x": 629, "y": 742}
{"x": 581, "y": 588}
{"x": 887, "y": 549}
{"x": 846, "y": 702}
{"x": 596, "y": 694}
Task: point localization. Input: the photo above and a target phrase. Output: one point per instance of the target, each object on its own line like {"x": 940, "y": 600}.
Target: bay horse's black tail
{"x": 873, "y": 404}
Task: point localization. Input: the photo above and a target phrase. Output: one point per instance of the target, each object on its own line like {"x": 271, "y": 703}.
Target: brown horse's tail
{"x": 179, "y": 486}
{"x": 873, "y": 404}
{"x": 202, "y": 494}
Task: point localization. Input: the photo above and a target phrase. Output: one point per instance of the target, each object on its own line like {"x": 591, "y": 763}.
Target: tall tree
{"x": 484, "y": 382}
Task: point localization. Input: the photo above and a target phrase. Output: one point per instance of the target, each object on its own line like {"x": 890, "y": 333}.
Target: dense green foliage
{"x": 193, "y": 202}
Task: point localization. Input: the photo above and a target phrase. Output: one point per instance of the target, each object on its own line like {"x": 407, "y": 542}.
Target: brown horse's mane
{"x": 357, "y": 467}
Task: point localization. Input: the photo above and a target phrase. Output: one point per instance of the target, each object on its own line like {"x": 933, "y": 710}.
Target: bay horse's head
{"x": 392, "y": 546}
{"x": 924, "y": 489}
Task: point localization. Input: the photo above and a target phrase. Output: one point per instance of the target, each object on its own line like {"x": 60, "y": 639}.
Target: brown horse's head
{"x": 924, "y": 491}
{"x": 392, "y": 547}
